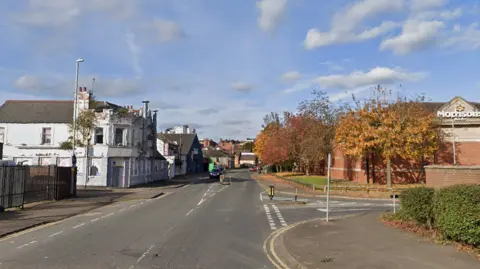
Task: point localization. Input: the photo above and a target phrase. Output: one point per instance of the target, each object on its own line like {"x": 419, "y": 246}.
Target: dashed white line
{"x": 141, "y": 203}
{"x": 269, "y": 217}
{"x": 55, "y": 234}
{"x": 201, "y": 201}
{"x": 133, "y": 205}
{"x": 189, "y": 212}
{"x": 145, "y": 253}
{"x": 261, "y": 196}
{"x": 93, "y": 220}
{"x": 108, "y": 215}
{"x": 22, "y": 246}
{"x": 79, "y": 225}
{"x": 279, "y": 215}
{"x": 121, "y": 210}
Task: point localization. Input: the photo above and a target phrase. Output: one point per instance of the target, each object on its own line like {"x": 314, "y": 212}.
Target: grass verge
{"x": 400, "y": 221}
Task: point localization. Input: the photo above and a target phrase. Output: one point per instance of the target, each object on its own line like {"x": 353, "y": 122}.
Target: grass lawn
{"x": 317, "y": 180}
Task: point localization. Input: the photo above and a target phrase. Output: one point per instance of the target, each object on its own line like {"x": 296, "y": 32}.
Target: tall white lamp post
{"x": 74, "y": 158}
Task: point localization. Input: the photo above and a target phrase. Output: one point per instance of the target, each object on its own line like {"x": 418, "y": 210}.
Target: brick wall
{"x": 441, "y": 175}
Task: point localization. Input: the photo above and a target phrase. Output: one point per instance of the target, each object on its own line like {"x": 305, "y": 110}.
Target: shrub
{"x": 417, "y": 204}
{"x": 457, "y": 213}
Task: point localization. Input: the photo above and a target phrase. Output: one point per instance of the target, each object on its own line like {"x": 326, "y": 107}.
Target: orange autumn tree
{"x": 270, "y": 145}
{"x": 400, "y": 129}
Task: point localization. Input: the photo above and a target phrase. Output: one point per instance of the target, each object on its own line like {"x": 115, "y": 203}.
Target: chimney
{"x": 145, "y": 108}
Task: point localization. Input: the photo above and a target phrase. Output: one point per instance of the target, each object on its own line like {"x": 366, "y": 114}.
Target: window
{"x": 98, "y": 136}
{"x": 46, "y": 136}
{"x": 119, "y": 136}
{"x": 133, "y": 137}
{"x": 2, "y": 134}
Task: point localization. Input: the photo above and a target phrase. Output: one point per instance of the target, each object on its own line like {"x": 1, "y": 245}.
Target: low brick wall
{"x": 438, "y": 176}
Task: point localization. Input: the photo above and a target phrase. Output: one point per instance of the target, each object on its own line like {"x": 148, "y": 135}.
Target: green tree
{"x": 86, "y": 123}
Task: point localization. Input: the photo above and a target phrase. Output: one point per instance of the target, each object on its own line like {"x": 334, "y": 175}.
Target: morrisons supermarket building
{"x": 460, "y": 122}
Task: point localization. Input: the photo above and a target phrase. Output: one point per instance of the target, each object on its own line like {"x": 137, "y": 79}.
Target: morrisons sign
{"x": 458, "y": 114}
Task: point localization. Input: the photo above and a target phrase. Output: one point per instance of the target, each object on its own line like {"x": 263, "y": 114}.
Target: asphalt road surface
{"x": 202, "y": 225}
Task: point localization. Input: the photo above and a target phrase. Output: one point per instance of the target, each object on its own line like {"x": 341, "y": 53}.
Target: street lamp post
{"x": 74, "y": 158}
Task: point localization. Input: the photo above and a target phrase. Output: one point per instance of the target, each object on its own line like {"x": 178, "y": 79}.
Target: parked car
{"x": 215, "y": 173}
{"x": 253, "y": 168}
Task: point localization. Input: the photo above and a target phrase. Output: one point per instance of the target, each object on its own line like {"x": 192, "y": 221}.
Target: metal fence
{"x": 27, "y": 184}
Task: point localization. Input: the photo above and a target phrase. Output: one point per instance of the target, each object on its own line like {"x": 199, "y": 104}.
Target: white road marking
{"x": 93, "y": 220}
{"x": 343, "y": 209}
{"x": 108, "y": 215}
{"x": 189, "y": 212}
{"x": 201, "y": 201}
{"x": 141, "y": 203}
{"x": 269, "y": 217}
{"x": 54, "y": 234}
{"x": 279, "y": 215}
{"x": 145, "y": 253}
{"x": 22, "y": 246}
{"x": 79, "y": 225}
{"x": 121, "y": 210}
{"x": 133, "y": 205}
{"x": 261, "y": 196}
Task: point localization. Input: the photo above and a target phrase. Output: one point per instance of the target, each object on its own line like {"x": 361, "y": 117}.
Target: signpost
{"x": 328, "y": 184}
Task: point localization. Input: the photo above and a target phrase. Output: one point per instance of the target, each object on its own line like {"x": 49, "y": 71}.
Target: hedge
{"x": 457, "y": 213}
{"x": 417, "y": 204}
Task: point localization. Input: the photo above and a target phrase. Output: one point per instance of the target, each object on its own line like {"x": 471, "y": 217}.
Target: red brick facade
{"x": 441, "y": 176}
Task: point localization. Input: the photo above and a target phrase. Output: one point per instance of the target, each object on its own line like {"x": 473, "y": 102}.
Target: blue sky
{"x": 221, "y": 65}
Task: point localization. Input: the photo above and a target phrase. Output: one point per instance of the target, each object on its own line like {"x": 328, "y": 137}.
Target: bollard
{"x": 296, "y": 194}
{"x": 271, "y": 192}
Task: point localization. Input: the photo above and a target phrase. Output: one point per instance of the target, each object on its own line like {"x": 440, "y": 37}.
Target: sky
{"x": 220, "y": 66}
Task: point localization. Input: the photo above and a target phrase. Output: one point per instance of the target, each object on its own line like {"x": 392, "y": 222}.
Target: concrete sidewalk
{"x": 34, "y": 214}
{"x": 364, "y": 242}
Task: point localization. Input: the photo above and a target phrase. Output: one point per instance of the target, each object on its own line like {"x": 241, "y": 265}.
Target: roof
{"x": 106, "y": 105}
{"x": 36, "y": 111}
{"x": 214, "y": 153}
{"x": 184, "y": 140}
{"x": 165, "y": 139}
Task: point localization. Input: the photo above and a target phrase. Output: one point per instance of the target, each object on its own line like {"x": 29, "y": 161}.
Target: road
{"x": 202, "y": 225}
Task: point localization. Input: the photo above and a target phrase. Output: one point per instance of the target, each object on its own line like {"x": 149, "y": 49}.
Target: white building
{"x": 122, "y": 152}
{"x": 181, "y": 129}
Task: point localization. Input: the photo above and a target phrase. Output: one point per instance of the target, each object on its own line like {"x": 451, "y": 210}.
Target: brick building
{"x": 208, "y": 143}
{"x": 459, "y": 121}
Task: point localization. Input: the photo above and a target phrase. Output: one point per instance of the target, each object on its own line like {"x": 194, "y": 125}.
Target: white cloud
{"x": 135, "y": 51}
{"x": 346, "y": 94}
{"x": 377, "y": 75}
{"x": 299, "y": 86}
{"x": 464, "y": 38}
{"x": 346, "y": 25}
{"x": 415, "y": 35}
{"x": 271, "y": 13}
{"x": 438, "y": 14}
{"x": 242, "y": 86}
{"x": 166, "y": 30}
{"x": 417, "y": 5}
{"x": 291, "y": 76}
{"x": 58, "y": 13}
{"x": 62, "y": 87}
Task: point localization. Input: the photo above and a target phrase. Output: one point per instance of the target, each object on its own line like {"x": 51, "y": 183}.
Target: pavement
{"x": 39, "y": 213}
{"x": 361, "y": 241}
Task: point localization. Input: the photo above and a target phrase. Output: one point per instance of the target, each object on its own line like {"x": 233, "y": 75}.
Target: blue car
{"x": 215, "y": 173}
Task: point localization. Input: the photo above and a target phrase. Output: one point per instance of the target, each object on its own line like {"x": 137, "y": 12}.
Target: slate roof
{"x": 214, "y": 153}
{"x": 36, "y": 111}
{"x": 183, "y": 140}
